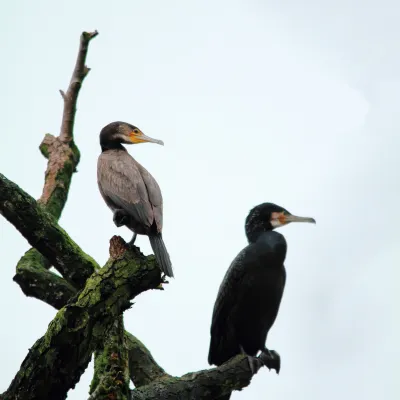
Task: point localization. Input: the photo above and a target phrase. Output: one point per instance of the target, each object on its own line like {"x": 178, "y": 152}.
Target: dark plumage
{"x": 251, "y": 292}
{"x": 129, "y": 189}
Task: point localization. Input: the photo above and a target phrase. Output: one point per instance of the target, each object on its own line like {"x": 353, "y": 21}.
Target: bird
{"x": 251, "y": 291}
{"x": 129, "y": 190}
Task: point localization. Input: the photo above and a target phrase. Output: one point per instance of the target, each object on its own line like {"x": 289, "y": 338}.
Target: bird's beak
{"x": 281, "y": 218}
{"x": 294, "y": 218}
{"x": 140, "y": 137}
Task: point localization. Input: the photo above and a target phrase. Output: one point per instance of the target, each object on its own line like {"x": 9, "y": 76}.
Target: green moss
{"x": 76, "y": 153}
{"x": 44, "y": 148}
{"x": 111, "y": 375}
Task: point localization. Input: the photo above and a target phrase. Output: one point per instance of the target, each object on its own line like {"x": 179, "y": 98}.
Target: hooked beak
{"x": 280, "y": 219}
{"x": 295, "y": 218}
{"x": 139, "y": 137}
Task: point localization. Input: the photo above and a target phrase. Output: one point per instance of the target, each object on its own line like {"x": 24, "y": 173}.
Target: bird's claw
{"x": 163, "y": 281}
{"x": 120, "y": 218}
{"x": 271, "y": 359}
{"x": 255, "y": 364}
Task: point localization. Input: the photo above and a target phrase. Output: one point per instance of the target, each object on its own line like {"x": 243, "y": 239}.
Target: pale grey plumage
{"x": 129, "y": 190}
{"x": 127, "y": 185}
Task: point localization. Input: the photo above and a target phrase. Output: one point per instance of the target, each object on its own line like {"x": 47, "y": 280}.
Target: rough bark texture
{"x": 55, "y": 291}
{"x": 57, "y": 360}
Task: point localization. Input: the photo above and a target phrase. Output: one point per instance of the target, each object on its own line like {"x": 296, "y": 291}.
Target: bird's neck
{"x": 273, "y": 242}
{"x": 254, "y": 229}
{"x": 112, "y": 146}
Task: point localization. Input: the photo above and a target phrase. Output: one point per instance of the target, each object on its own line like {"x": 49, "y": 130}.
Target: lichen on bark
{"x": 57, "y": 360}
{"x": 111, "y": 369}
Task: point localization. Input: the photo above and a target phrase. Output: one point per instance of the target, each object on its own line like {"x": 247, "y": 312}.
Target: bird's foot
{"x": 271, "y": 359}
{"x": 255, "y": 364}
{"x": 120, "y": 218}
{"x": 163, "y": 281}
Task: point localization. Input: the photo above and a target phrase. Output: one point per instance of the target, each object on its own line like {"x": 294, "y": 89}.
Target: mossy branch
{"x": 206, "y": 385}
{"x": 111, "y": 368}
{"x": 58, "y": 359}
{"x": 41, "y": 230}
{"x": 35, "y": 281}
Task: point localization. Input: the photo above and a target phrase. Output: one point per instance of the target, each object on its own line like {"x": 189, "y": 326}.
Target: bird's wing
{"x": 155, "y": 196}
{"x": 257, "y": 303}
{"x": 121, "y": 182}
{"x": 247, "y": 304}
{"x": 224, "y": 344}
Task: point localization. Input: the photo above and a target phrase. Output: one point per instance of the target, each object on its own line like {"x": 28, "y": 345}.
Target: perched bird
{"x": 129, "y": 190}
{"x": 251, "y": 291}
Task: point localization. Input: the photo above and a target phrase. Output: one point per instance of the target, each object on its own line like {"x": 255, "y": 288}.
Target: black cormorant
{"x": 129, "y": 190}
{"x": 251, "y": 291}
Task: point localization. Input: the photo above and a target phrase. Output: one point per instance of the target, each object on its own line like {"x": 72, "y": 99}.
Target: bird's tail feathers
{"x": 161, "y": 254}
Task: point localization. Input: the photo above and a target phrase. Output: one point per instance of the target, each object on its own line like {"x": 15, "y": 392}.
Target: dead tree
{"x": 90, "y": 299}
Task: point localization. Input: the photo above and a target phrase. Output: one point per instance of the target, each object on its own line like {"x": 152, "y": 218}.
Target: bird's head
{"x": 268, "y": 216}
{"x": 116, "y": 133}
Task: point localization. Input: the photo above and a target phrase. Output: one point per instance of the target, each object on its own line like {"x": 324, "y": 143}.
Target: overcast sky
{"x": 295, "y": 103}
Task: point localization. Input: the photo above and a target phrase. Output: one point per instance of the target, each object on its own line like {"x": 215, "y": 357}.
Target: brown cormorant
{"x": 251, "y": 291}
{"x": 129, "y": 190}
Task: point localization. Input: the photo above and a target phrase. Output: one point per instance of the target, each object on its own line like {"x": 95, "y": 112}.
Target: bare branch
{"x": 42, "y": 232}
{"x": 71, "y": 96}
{"x": 63, "y": 158}
{"x": 61, "y": 151}
{"x": 58, "y": 359}
{"x": 206, "y": 385}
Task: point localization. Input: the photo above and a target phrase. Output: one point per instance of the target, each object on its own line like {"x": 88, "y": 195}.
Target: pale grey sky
{"x": 281, "y": 101}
